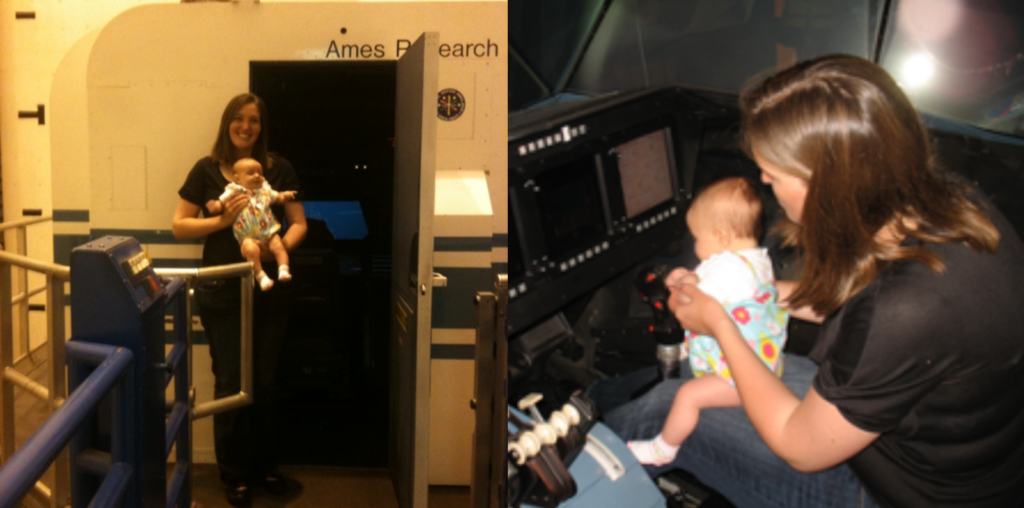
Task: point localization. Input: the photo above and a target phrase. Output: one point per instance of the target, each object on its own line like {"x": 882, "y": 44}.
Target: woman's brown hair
{"x": 842, "y": 124}
{"x": 223, "y": 149}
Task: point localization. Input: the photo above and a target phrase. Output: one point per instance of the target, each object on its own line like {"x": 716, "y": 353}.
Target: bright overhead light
{"x": 917, "y": 70}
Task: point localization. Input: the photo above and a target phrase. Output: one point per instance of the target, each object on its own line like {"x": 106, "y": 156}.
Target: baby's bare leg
{"x": 694, "y": 395}
{"x": 251, "y": 252}
{"x": 280, "y": 253}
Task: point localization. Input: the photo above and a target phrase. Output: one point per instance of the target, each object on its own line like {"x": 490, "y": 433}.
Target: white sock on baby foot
{"x": 655, "y": 452}
{"x": 265, "y": 282}
{"x": 283, "y": 275}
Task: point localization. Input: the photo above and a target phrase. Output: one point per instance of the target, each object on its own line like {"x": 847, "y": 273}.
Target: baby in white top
{"x": 725, "y": 220}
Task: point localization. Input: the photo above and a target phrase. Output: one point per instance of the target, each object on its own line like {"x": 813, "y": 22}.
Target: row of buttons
{"x": 648, "y": 223}
{"x": 564, "y": 136}
{"x": 583, "y": 256}
{"x": 518, "y": 290}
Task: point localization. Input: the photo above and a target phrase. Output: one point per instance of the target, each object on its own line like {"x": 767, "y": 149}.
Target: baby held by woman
{"x": 256, "y": 228}
{"x": 725, "y": 220}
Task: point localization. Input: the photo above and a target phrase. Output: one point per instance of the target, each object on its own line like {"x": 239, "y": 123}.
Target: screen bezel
{"x": 612, "y": 175}
{"x": 526, "y": 205}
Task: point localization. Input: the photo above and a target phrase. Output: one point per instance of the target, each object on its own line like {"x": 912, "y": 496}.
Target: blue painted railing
{"x": 31, "y": 461}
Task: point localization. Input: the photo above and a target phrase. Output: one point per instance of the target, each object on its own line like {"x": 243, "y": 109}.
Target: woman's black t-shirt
{"x": 206, "y": 182}
{"x": 933, "y": 362}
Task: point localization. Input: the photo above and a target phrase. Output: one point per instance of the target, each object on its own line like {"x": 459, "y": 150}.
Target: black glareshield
{"x": 651, "y": 289}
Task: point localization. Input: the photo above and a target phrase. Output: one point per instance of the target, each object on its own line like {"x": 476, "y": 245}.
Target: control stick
{"x": 651, "y": 289}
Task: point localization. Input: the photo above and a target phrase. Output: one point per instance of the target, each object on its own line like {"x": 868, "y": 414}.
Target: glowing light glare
{"x": 917, "y": 70}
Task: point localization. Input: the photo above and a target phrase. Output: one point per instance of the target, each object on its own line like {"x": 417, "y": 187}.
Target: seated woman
{"x": 914, "y": 392}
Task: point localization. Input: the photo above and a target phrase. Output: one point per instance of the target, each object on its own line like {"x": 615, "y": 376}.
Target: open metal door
{"x": 412, "y": 252}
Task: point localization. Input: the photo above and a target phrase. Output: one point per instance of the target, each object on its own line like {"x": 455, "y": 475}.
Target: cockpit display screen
{"x": 645, "y": 172}
{"x": 569, "y": 200}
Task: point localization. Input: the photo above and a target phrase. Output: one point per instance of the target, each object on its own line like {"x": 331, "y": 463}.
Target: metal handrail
{"x": 55, "y": 275}
{"x": 24, "y": 222}
{"x": 59, "y": 271}
{"x": 31, "y": 461}
{"x": 192, "y": 275}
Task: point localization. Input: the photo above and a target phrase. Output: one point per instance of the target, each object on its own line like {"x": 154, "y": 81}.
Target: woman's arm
{"x": 295, "y": 214}
{"x": 187, "y": 223}
{"x": 809, "y": 434}
{"x": 786, "y": 288}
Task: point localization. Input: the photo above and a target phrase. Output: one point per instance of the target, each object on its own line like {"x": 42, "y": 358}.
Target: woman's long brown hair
{"x": 842, "y": 124}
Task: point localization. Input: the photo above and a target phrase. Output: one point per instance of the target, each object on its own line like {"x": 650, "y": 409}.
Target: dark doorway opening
{"x": 335, "y": 122}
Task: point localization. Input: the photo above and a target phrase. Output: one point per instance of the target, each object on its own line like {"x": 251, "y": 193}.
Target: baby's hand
{"x": 286, "y": 196}
{"x": 214, "y": 206}
{"x": 675, "y": 278}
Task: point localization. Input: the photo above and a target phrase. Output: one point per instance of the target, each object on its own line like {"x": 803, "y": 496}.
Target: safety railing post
{"x": 178, "y": 430}
{"x": 499, "y": 423}
{"x": 66, "y": 423}
{"x": 6, "y": 362}
{"x": 21, "y": 248}
{"x": 14, "y": 303}
{"x": 56, "y": 337}
{"x": 490, "y": 396}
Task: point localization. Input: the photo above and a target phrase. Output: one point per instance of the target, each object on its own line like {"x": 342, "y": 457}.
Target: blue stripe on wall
{"x": 453, "y": 306}
{"x": 71, "y": 216}
{"x": 452, "y": 352}
{"x": 462, "y": 244}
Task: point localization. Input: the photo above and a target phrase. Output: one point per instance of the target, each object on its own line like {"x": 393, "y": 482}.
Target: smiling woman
{"x": 245, "y": 455}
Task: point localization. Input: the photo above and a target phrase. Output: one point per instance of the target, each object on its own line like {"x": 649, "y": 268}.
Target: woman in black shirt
{"x": 244, "y": 438}
{"x": 918, "y": 282}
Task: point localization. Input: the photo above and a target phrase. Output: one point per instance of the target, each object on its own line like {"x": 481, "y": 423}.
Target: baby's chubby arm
{"x": 279, "y": 198}
{"x": 285, "y": 196}
{"x": 216, "y": 206}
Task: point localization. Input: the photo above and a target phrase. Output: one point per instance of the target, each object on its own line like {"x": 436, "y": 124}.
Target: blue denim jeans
{"x": 724, "y": 451}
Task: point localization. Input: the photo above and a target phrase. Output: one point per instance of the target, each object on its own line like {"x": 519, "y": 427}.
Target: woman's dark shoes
{"x": 275, "y": 484}
{"x": 238, "y": 493}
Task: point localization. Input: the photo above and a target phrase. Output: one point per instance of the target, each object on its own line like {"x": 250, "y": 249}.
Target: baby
{"x": 256, "y": 228}
{"x": 725, "y": 220}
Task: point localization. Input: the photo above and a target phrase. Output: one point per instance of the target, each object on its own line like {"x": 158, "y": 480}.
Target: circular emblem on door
{"x": 450, "y": 104}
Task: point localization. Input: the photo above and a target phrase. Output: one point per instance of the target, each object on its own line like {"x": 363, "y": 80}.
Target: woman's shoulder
{"x": 277, "y": 163}
{"x": 206, "y": 164}
{"x": 281, "y": 174}
{"x": 977, "y": 284}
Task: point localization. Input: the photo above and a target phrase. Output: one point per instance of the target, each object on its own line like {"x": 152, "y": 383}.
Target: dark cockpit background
{"x": 590, "y": 77}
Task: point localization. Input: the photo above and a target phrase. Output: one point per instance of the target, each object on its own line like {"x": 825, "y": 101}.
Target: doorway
{"x": 335, "y": 122}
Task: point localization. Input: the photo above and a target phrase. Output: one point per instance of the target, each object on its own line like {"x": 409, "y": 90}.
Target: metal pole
{"x": 21, "y": 248}
{"x": 244, "y": 270}
{"x": 491, "y": 396}
{"x": 56, "y": 335}
{"x": 24, "y": 222}
{"x": 6, "y": 362}
{"x": 499, "y": 438}
{"x": 483, "y": 402}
